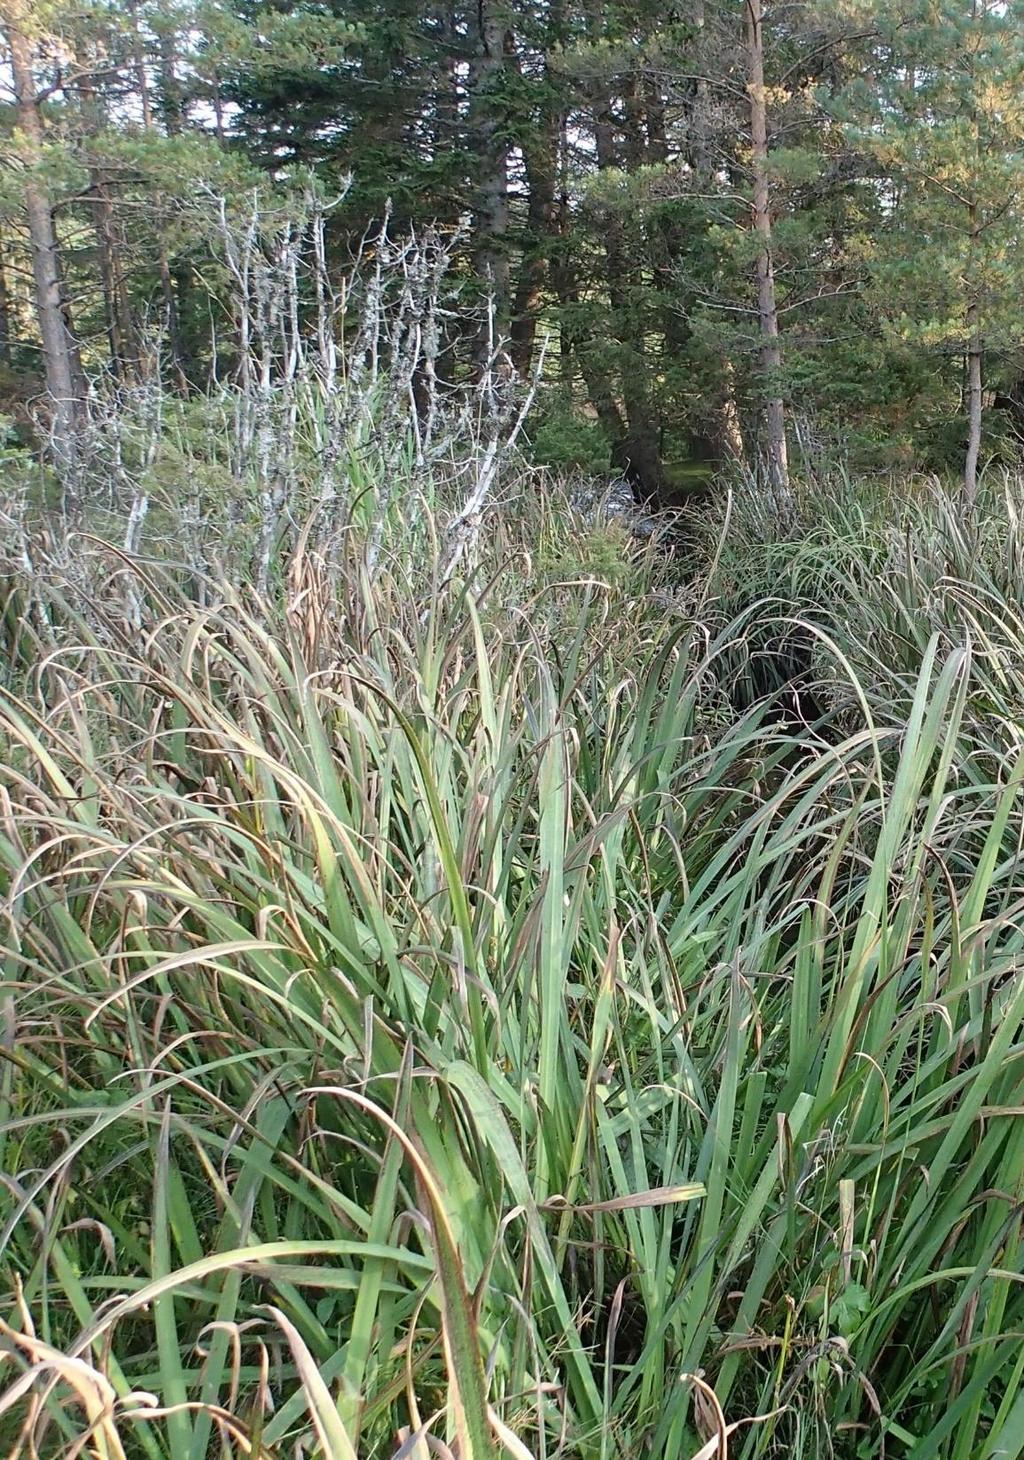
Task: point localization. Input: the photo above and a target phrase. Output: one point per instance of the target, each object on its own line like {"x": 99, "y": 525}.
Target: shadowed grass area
{"x": 436, "y": 1023}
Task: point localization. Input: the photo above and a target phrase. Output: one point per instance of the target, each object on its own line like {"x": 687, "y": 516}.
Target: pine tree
{"x": 22, "y": 33}
{"x": 767, "y": 308}
{"x": 945, "y": 122}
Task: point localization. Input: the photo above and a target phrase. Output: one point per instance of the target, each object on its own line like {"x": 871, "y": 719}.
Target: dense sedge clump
{"x": 445, "y": 1013}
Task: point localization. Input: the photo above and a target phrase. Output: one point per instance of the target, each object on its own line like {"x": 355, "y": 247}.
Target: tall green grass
{"x": 435, "y": 1024}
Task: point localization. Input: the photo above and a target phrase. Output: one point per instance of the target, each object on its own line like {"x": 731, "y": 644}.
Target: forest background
{"x": 745, "y": 234}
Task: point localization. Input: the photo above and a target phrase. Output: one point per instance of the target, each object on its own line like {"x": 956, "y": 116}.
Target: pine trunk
{"x": 58, "y": 346}
{"x": 178, "y": 355}
{"x": 562, "y": 273}
{"x": 974, "y": 382}
{"x": 124, "y": 354}
{"x": 637, "y": 452}
{"x": 139, "y": 63}
{"x": 5, "y": 312}
{"x": 541, "y": 158}
{"x": 540, "y": 155}
{"x": 121, "y": 333}
{"x": 974, "y": 409}
{"x": 490, "y": 147}
{"x": 768, "y": 316}
{"x": 175, "y": 282}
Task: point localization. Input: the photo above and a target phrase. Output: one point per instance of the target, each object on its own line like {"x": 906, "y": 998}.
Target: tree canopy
{"x": 749, "y": 229}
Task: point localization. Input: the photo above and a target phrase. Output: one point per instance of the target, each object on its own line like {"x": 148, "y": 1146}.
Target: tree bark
{"x": 57, "y": 343}
{"x": 974, "y": 383}
{"x": 637, "y": 452}
{"x": 139, "y": 62}
{"x": 539, "y": 158}
{"x": 561, "y": 266}
{"x": 711, "y": 434}
{"x": 974, "y": 407}
{"x": 121, "y": 333}
{"x": 446, "y": 85}
{"x": 175, "y": 283}
{"x": 5, "y": 313}
{"x": 768, "y": 317}
{"x": 540, "y": 148}
{"x": 490, "y": 147}
{"x": 179, "y": 357}
{"x": 730, "y": 434}
{"x": 699, "y": 108}
{"x": 172, "y": 101}
{"x": 217, "y": 102}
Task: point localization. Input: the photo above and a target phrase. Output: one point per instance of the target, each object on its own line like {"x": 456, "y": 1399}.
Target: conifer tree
{"x": 23, "y": 31}
{"x": 943, "y": 117}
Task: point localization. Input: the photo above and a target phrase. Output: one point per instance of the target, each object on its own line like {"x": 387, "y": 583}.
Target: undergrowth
{"x": 444, "y": 1017}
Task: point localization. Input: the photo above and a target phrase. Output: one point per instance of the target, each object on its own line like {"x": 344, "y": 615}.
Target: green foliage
{"x": 473, "y": 981}
{"x": 620, "y": 190}
{"x": 947, "y": 128}
{"x": 564, "y": 438}
{"x": 326, "y": 912}
{"x": 602, "y": 552}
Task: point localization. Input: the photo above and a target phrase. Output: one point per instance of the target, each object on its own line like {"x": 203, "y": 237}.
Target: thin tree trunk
{"x": 974, "y": 407}
{"x": 58, "y": 346}
{"x": 731, "y": 430}
{"x": 667, "y": 240}
{"x": 121, "y": 334}
{"x": 5, "y": 313}
{"x": 490, "y": 146}
{"x": 100, "y": 205}
{"x": 561, "y": 266}
{"x": 178, "y": 355}
{"x": 217, "y": 102}
{"x": 172, "y": 102}
{"x": 771, "y": 349}
{"x": 139, "y": 62}
{"x": 79, "y": 379}
{"x": 540, "y": 156}
{"x": 174, "y": 282}
{"x": 721, "y": 428}
{"x": 602, "y": 397}
{"x": 638, "y": 453}
{"x": 126, "y": 336}
{"x": 699, "y": 110}
{"x": 446, "y": 84}
{"x": 974, "y": 385}
{"x": 540, "y": 147}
